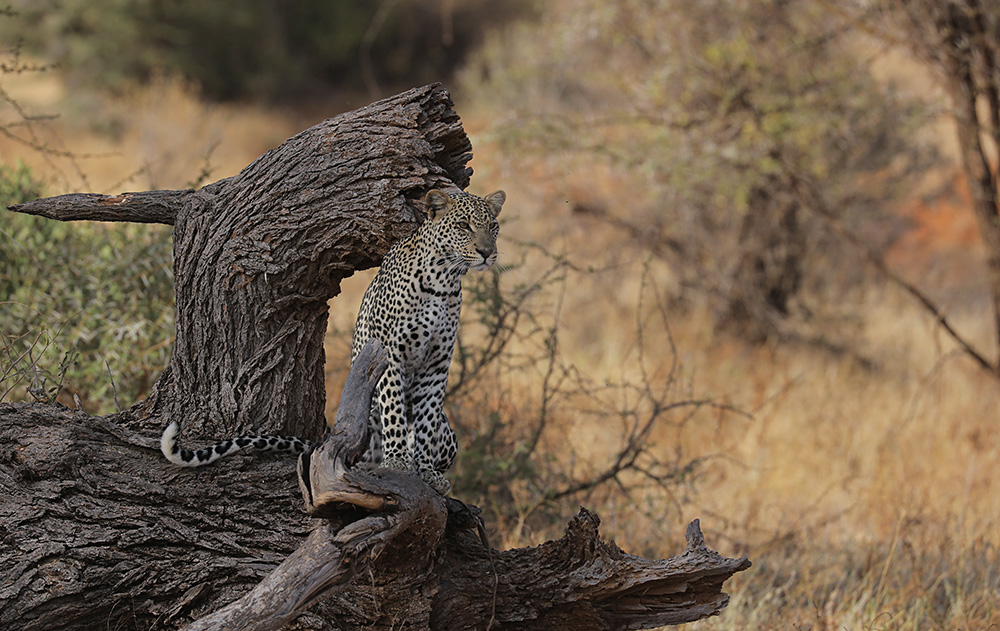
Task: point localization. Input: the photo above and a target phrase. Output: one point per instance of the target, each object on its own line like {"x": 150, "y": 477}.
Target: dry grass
{"x": 160, "y": 136}
{"x": 867, "y": 498}
{"x": 866, "y": 495}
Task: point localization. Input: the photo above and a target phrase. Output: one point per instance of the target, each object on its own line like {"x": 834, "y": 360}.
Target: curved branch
{"x": 819, "y": 206}
{"x": 347, "y": 543}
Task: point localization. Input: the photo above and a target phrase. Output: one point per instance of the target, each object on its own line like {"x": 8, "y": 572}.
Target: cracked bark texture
{"x": 100, "y": 532}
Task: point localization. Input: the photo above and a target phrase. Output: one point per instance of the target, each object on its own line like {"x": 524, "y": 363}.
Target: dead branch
{"x": 141, "y": 207}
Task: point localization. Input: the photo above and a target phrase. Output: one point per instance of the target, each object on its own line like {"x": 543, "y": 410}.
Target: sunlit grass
{"x": 161, "y": 136}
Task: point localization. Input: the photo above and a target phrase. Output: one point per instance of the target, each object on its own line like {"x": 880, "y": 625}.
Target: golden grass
{"x": 866, "y": 498}
{"x": 159, "y": 136}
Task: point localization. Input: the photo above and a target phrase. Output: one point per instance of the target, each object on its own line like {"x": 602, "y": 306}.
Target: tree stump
{"x": 99, "y": 531}
{"x": 257, "y": 256}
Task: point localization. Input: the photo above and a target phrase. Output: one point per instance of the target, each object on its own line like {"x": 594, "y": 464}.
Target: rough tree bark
{"x": 98, "y": 531}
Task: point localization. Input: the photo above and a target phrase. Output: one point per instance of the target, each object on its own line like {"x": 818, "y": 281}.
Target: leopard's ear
{"x": 495, "y": 201}
{"x": 437, "y": 202}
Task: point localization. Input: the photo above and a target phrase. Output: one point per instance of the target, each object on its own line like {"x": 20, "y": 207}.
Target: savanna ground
{"x": 859, "y": 476}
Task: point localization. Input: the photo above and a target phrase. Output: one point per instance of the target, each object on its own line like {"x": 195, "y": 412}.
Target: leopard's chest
{"x": 425, "y": 334}
{"x": 414, "y": 314}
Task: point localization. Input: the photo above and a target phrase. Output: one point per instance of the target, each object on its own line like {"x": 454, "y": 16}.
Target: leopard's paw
{"x": 398, "y": 463}
{"x": 437, "y": 481}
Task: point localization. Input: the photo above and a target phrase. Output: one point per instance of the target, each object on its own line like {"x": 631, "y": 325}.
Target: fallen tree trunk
{"x": 98, "y": 531}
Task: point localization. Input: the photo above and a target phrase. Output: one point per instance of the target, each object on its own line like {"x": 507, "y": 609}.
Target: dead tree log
{"x": 258, "y": 255}
{"x": 98, "y": 531}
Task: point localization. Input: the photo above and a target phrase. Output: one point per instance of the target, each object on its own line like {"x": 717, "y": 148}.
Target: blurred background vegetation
{"x": 718, "y": 212}
{"x": 278, "y": 51}
{"x": 77, "y": 300}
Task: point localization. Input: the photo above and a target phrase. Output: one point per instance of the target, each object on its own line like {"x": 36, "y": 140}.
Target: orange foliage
{"x": 941, "y": 223}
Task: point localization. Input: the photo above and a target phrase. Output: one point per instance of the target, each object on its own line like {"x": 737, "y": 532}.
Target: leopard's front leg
{"x": 395, "y": 428}
{"x": 434, "y": 444}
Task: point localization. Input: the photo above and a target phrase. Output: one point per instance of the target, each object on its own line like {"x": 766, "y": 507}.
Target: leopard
{"x": 412, "y": 306}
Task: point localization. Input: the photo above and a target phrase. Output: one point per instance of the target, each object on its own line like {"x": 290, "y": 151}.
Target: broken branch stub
{"x": 326, "y": 482}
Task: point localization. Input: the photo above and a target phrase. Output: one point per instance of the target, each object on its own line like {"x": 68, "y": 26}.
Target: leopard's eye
{"x": 464, "y": 225}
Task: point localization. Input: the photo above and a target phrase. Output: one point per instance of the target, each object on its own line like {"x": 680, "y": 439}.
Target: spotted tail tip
{"x": 168, "y": 444}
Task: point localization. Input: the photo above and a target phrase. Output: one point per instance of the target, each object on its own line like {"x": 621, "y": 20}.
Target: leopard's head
{"x": 465, "y": 227}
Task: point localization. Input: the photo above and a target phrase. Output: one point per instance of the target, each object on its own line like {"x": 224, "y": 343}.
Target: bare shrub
{"x": 715, "y": 112}
{"x": 541, "y": 432}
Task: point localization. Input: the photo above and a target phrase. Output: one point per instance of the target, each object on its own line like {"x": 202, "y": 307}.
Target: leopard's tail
{"x": 208, "y": 455}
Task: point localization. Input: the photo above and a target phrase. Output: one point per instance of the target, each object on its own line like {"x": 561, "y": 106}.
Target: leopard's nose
{"x": 485, "y": 253}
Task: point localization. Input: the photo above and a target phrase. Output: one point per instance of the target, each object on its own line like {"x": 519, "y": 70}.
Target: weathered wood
{"x": 320, "y": 470}
{"x": 98, "y": 531}
{"x": 330, "y": 556}
{"x": 257, "y": 259}
{"x": 582, "y": 582}
{"x": 395, "y": 530}
{"x": 92, "y": 511}
{"x": 141, "y": 207}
